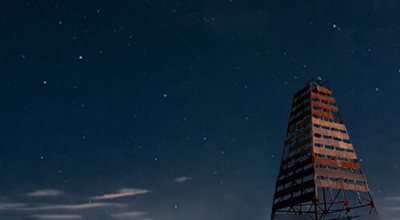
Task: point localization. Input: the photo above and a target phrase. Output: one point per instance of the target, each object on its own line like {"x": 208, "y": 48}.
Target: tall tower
{"x": 319, "y": 175}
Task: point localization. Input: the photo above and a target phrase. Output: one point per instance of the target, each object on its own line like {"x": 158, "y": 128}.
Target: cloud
{"x": 123, "y": 193}
{"x": 396, "y": 208}
{"x": 70, "y": 207}
{"x": 57, "y": 216}
{"x": 182, "y": 179}
{"x": 45, "y": 192}
{"x": 392, "y": 198}
{"x": 128, "y": 214}
{"x": 84, "y": 206}
{"x": 11, "y": 206}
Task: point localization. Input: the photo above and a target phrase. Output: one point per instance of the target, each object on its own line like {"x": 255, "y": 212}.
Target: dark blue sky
{"x": 175, "y": 110}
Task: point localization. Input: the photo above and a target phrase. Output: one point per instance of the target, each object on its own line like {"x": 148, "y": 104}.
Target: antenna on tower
{"x": 319, "y": 82}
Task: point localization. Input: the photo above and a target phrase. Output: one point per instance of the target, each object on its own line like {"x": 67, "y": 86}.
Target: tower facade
{"x": 319, "y": 174}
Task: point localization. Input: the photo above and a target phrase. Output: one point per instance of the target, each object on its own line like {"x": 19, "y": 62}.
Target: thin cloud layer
{"x": 57, "y": 216}
{"x": 45, "y": 193}
{"x": 128, "y": 214}
{"x": 392, "y": 198}
{"x": 68, "y": 207}
{"x": 182, "y": 179}
{"x": 11, "y": 206}
{"x": 122, "y": 193}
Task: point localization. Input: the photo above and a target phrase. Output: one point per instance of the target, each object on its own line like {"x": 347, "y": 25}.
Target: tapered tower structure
{"x": 319, "y": 175}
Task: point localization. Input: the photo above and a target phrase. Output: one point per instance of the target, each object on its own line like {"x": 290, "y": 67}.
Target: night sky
{"x": 177, "y": 110}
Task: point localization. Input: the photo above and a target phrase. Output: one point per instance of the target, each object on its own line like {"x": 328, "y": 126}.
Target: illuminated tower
{"x": 319, "y": 175}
